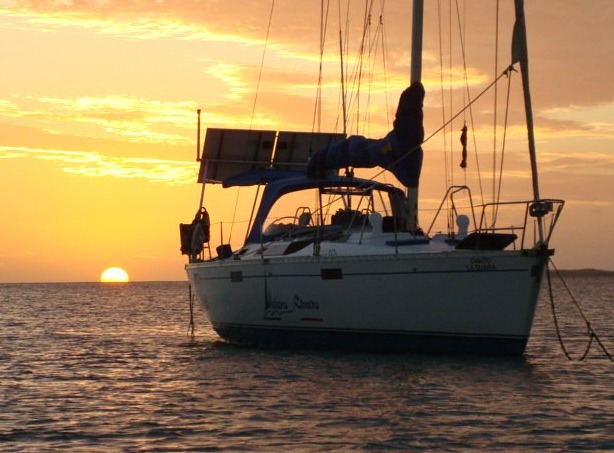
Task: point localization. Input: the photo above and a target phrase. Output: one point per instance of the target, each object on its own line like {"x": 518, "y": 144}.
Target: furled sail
{"x": 399, "y": 152}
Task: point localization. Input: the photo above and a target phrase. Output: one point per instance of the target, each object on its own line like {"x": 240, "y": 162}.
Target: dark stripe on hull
{"x": 370, "y": 341}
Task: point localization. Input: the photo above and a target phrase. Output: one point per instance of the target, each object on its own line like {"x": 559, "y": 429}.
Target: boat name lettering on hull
{"x": 309, "y": 304}
{"x": 481, "y": 264}
{"x": 273, "y": 307}
{"x": 276, "y": 308}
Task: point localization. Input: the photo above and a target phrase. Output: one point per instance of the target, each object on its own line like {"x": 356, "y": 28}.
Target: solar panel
{"x": 229, "y": 152}
{"x": 293, "y": 149}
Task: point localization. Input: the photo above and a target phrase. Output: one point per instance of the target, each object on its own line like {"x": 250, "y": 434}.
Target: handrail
{"x": 543, "y": 209}
{"x": 452, "y": 190}
{"x": 550, "y": 208}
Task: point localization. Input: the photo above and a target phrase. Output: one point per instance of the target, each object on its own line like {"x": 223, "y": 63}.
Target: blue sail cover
{"x": 399, "y": 152}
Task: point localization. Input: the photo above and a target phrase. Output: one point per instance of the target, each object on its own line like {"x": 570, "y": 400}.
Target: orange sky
{"x": 98, "y": 102}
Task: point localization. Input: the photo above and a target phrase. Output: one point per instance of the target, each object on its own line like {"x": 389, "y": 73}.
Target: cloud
{"x": 596, "y": 120}
{"x": 133, "y": 118}
{"x": 117, "y": 21}
{"x": 93, "y": 164}
{"x": 580, "y": 163}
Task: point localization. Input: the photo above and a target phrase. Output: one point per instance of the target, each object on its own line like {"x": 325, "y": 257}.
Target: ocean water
{"x": 97, "y": 367}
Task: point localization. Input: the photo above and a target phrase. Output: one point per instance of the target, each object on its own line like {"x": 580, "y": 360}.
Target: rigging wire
{"x": 385, "y": 62}
{"x": 343, "y": 100}
{"x": 496, "y": 98}
{"x": 446, "y": 158}
{"x": 447, "y": 181}
{"x": 450, "y": 85}
{"x": 317, "y": 114}
{"x": 354, "y": 104}
{"x": 462, "y": 31}
{"x": 266, "y": 42}
{"x": 373, "y": 52}
{"x": 505, "y": 73}
{"x": 363, "y": 66}
{"x": 363, "y": 47}
{"x": 504, "y": 141}
{"x": 468, "y": 99}
{"x": 367, "y": 44}
{"x": 344, "y": 37}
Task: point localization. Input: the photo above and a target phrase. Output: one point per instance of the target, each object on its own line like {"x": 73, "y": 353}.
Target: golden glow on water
{"x": 105, "y": 356}
{"x": 114, "y": 275}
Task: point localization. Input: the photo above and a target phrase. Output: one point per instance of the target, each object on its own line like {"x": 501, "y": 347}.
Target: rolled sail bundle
{"x": 399, "y": 152}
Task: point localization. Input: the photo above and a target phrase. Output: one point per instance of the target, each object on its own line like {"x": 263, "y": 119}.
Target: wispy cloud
{"x": 597, "y": 120}
{"x": 94, "y": 164}
{"x": 233, "y": 77}
{"x": 141, "y": 24}
{"x": 580, "y": 163}
{"x": 133, "y": 118}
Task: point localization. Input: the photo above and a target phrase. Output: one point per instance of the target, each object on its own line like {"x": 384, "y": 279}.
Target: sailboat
{"x": 333, "y": 260}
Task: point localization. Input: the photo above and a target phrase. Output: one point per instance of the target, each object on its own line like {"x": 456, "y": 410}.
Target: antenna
{"x": 198, "y": 137}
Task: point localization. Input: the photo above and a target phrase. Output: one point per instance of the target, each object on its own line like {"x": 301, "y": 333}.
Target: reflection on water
{"x": 98, "y": 367}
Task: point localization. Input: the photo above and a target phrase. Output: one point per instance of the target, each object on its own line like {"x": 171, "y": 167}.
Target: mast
{"x": 411, "y": 206}
{"x": 416, "y": 41}
{"x": 520, "y": 55}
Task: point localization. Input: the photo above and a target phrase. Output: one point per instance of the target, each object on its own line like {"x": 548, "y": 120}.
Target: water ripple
{"x": 109, "y": 368}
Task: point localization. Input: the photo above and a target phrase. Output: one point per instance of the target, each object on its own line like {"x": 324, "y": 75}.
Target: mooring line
{"x": 191, "y": 333}
{"x": 589, "y": 329}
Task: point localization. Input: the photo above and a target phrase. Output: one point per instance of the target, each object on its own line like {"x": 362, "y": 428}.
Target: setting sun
{"x": 113, "y": 275}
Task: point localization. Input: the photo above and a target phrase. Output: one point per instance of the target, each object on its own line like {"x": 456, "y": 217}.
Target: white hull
{"x": 473, "y": 301}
